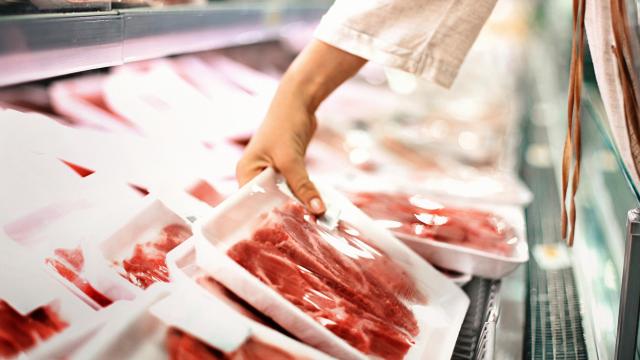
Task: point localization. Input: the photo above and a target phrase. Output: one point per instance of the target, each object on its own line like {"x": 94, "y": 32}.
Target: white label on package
{"x": 204, "y": 318}
{"x": 24, "y": 286}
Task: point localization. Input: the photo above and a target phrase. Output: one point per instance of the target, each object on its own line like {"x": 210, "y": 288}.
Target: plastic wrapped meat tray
{"x": 138, "y": 250}
{"x": 159, "y": 325}
{"x": 59, "y": 233}
{"x": 487, "y": 242}
{"x": 354, "y": 291}
{"x": 40, "y": 311}
{"x": 184, "y": 269}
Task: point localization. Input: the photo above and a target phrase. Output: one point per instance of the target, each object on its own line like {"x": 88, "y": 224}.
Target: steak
{"x": 339, "y": 278}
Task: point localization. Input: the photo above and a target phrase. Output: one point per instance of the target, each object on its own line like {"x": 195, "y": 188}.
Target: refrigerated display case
{"x": 588, "y": 306}
{"x": 39, "y": 45}
{"x": 565, "y": 308}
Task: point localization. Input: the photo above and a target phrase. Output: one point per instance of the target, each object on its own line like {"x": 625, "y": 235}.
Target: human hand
{"x": 281, "y": 143}
{"x": 282, "y": 140}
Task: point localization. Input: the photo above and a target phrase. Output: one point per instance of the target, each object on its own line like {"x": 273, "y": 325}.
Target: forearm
{"x": 282, "y": 140}
{"x": 317, "y": 72}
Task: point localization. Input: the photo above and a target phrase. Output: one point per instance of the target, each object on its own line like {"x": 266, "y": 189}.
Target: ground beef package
{"x": 349, "y": 289}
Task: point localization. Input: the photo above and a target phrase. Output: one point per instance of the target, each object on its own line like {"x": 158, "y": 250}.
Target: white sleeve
{"x": 425, "y": 37}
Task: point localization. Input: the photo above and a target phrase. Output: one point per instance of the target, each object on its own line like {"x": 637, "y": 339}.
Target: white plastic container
{"x": 145, "y": 227}
{"x": 472, "y": 261}
{"x": 439, "y": 319}
{"x": 140, "y": 331}
{"x": 25, "y": 286}
{"x": 184, "y": 269}
{"x": 73, "y": 226}
{"x": 456, "y": 257}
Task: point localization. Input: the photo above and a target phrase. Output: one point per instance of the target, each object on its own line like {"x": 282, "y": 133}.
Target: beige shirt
{"x": 424, "y": 37}
{"x": 432, "y": 37}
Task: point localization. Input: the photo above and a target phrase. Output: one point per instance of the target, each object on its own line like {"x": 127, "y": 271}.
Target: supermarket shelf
{"x": 34, "y": 47}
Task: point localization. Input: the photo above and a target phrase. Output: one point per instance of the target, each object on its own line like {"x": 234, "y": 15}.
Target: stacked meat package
{"x": 124, "y": 235}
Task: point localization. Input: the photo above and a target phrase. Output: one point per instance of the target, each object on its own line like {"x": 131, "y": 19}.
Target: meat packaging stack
{"x": 124, "y": 234}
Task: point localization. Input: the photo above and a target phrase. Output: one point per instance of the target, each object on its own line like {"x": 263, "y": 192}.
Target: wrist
{"x": 305, "y": 90}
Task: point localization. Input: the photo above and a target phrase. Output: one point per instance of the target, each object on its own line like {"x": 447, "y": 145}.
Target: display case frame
{"x": 40, "y": 46}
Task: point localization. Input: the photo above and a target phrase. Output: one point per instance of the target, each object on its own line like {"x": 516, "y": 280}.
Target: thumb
{"x": 298, "y": 180}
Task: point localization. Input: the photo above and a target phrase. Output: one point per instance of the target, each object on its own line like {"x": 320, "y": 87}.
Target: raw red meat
{"x": 340, "y": 279}
{"x": 69, "y": 263}
{"x": 420, "y": 217}
{"x": 147, "y": 264}
{"x": 19, "y": 333}
{"x": 182, "y": 346}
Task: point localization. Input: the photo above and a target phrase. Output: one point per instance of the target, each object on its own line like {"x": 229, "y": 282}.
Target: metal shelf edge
{"x": 34, "y": 47}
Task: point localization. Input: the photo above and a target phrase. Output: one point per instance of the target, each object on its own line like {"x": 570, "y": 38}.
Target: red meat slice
{"x": 19, "y": 333}
{"x": 421, "y": 218}
{"x": 69, "y": 263}
{"x": 147, "y": 264}
{"x": 182, "y": 346}
{"x": 340, "y": 279}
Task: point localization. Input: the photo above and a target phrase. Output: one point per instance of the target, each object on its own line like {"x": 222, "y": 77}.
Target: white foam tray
{"x": 439, "y": 320}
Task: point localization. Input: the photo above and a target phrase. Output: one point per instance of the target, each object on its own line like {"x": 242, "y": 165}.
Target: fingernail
{"x": 316, "y": 205}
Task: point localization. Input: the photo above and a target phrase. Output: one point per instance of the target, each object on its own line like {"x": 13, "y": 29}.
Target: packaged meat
{"x": 465, "y": 239}
{"x": 370, "y": 290}
{"x": 138, "y": 249}
{"x": 19, "y": 333}
{"x": 421, "y": 217}
{"x": 69, "y": 263}
{"x": 59, "y": 235}
{"x": 183, "y": 268}
{"x": 34, "y": 309}
{"x": 181, "y": 345}
{"x": 31, "y": 171}
{"x": 354, "y": 291}
{"x": 147, "y": 264}
{"x": 128, "y": 158}
{"x": 66, "y": 345}
{"x": 159, "y": 325}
